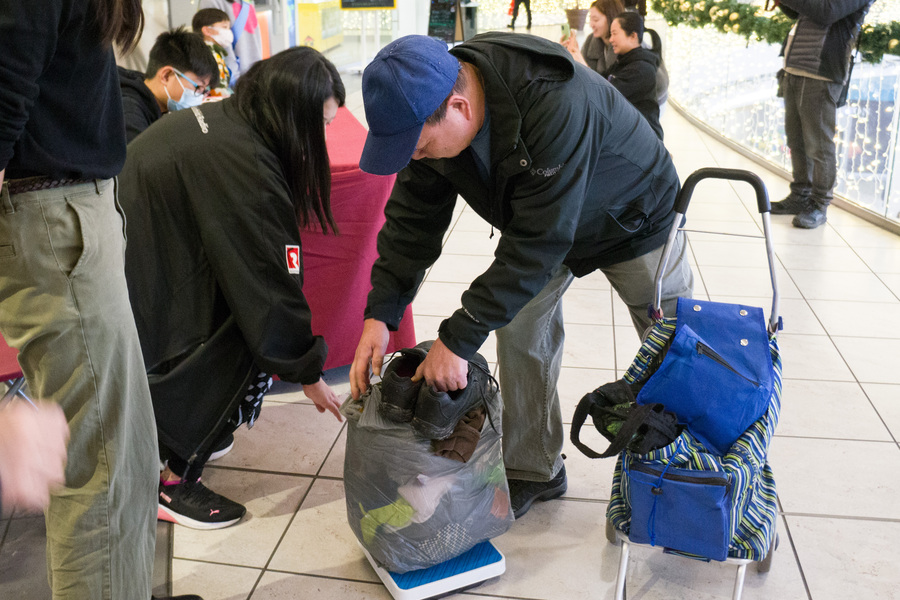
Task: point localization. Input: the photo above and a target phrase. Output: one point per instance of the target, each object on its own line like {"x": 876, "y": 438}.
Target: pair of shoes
{"x": 183, "y": 597}
{"x": 812, "y": 217}
{"x": 432, "y": 413}
{"x": 192, "y": 504}
{"x": 522, "y": 494}
{"x": 792, "y": 204}
{"x": 222, "y": 449}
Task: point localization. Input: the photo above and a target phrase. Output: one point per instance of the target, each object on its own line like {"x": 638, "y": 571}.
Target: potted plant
{"x": 576, "y": 16}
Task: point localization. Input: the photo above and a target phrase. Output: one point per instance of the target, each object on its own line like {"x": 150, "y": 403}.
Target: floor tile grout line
{"x": 379, "y": 583}
{"x": 804, "y": 515}
{"x": 331, "y": 449}
{"x": 877, "y": 412}
{"x": 6, "y": 525}
{"x": 281, "y": 538}
{"x": 790, "y": 537}
{"x": 834, "y": 439}
{"x": 297, "y": 511}
{"x": 262, "y": 471}
{"x": 877, "y": 276}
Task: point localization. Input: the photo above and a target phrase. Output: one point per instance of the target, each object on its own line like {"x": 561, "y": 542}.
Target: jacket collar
{"x": 540, "y": 60}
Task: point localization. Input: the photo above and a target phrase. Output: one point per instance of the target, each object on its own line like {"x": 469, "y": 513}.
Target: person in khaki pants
{"x": 63, "y": 297}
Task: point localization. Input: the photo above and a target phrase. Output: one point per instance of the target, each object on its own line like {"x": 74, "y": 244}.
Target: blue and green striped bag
{"x": 689, "y": 499}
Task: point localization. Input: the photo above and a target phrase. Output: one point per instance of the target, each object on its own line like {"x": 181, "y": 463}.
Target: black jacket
{"x": 824, "y": 35}
{"x": 210, "y": 227}
{"x": 60, "y": 109}
{"x": 634, "y": 75}
{"x": 139, "y": 103}
{"x": 577, "y": 177}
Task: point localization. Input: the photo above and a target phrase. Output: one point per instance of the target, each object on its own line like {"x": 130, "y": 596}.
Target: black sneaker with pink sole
{"x": 192, "y": 504}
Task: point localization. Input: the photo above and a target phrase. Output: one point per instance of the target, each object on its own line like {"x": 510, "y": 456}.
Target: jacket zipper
{"x": 642, "y": 468}
{"x": 704, "y": 350}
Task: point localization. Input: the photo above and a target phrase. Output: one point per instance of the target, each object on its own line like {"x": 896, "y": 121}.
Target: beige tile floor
{"x": 835, "y": 456}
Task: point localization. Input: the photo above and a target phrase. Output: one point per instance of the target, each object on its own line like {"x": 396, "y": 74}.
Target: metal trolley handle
{"x": 681, "y": 205}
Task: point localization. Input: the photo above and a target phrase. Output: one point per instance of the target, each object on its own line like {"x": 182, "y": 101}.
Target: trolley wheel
{"x": 765, "y": 564}
{"x": 611, "y": 533}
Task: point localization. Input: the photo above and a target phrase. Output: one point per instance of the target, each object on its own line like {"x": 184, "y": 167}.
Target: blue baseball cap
{"x": 404, "y": 84}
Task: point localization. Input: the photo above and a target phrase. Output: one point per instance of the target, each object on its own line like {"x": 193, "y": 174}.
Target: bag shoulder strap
{"x": 241, "y": 21}
{"x": 637, "y": 417}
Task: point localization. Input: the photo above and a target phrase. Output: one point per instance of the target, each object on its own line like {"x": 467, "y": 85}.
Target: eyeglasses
{"x": 202, "y": 90}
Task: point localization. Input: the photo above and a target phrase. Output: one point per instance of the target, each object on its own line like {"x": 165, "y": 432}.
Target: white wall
{"x": 412, "y": 17}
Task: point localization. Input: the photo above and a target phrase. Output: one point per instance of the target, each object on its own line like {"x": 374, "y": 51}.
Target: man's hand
{"x": 370, "y": 352}
{"x": 32, "y": 454}
{"x": 323, "y": 398}
{"x": 443, "y": 369}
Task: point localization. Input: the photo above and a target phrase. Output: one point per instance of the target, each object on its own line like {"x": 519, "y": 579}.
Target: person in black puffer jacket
{"x": 634, "y": 72}
{"x": 813, "y": 83}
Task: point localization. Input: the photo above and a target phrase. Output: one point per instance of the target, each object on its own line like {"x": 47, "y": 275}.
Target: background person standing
{"x": 816, "y": 75}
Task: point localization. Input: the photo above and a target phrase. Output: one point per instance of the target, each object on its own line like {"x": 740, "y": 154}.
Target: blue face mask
{"x": 188, "y": 98}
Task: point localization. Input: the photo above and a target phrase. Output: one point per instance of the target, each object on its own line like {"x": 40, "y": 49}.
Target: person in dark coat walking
{"x": 215, "y": 197}
{"x": 552, "y": 156}
{"x": 634, "y": 72}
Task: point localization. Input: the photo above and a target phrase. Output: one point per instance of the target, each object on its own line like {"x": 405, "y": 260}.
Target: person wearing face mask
{"x": 180, "y": 72}
{"x": 247, "y": 42}
{"x": 215, "y": 27}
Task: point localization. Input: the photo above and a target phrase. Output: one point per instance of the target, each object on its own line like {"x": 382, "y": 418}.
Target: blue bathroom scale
{"x": 467, "y": 570}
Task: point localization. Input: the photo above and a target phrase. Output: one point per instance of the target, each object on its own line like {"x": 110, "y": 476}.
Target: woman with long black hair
{"x": 215, "y": 196}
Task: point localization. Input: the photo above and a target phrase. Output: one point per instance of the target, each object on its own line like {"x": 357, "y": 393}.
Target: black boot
{"x": 792, "y": 204}
{"x": 812, "y": 217}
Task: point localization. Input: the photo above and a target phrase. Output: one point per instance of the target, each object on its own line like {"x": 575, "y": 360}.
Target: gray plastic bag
{"x": 410, "y": 508}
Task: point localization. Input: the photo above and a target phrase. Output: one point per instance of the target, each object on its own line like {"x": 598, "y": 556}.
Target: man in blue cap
{"x": 572, "y": 176}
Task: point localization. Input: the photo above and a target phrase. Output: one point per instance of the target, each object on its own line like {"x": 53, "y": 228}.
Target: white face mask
{"x": 223, "y": 37}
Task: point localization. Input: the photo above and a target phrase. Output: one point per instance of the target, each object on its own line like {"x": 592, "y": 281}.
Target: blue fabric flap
{"x": 723, "y": 327}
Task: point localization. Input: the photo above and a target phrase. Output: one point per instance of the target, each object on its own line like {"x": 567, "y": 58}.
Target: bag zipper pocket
{"x": 642, "y": 468}
{"x": 704, "y": 350}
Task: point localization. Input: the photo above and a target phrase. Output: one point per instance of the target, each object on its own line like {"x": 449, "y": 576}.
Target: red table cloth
{"x": 337, "y": 267}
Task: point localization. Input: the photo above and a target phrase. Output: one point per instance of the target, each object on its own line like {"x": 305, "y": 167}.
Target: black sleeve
{"x": 247, "y": 224}
{"x": 417, "y": 215}
{"x": 28, "y": 36}
{"x": 789, "y": 12}
{"x": 824, "y": 12}
{"x": 635, "y": 81}
{"x": 136, "y": 118}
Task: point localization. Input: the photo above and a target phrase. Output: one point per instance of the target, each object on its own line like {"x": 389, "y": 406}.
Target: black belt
{"x": 35, "y": 184}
